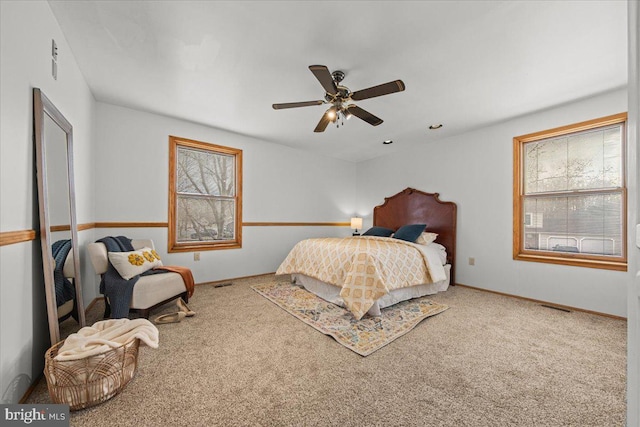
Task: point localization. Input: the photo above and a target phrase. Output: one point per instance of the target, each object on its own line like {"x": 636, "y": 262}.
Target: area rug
{"x": 363, "y": 336}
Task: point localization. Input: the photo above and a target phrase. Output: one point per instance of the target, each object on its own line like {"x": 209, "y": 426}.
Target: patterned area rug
{"x": 363, "y": 336}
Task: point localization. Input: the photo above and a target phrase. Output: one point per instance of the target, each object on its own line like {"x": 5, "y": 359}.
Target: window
{"x": 205, "y": 196}
{"x": 570, "y": 196}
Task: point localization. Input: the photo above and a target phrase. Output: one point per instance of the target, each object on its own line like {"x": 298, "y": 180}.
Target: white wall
{"x": 116, "y": 146}
{"x": 633, "y": 319}
{"x": 475, "y": 171}
{"x": 26, "y": 32}
{"x": 124, "y": 146}
{"x": 280, "y": 184}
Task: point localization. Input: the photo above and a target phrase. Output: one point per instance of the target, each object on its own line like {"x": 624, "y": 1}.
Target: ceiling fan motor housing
{"x": 338, "y": 76}
{"x": 343, "y": 94}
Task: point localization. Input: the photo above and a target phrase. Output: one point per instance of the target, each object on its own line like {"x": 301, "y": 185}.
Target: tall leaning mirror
{"x": 58, "y": 225}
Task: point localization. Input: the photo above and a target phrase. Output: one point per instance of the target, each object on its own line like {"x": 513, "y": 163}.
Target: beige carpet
{"x": 491, "y": 361}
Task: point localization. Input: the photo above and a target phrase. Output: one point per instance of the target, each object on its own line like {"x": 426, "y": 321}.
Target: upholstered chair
{"x": 149, "y": 292}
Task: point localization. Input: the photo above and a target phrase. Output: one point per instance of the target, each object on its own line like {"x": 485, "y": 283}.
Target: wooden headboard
{"x": 412, "y": 206}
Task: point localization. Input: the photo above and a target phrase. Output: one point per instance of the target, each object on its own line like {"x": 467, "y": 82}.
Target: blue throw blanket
{"x": 112, "y": 285}
{"x": 65, "y": 290}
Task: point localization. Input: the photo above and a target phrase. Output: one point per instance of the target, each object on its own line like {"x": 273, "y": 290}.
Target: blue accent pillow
{"x": 379, "y": 231}
{"x": 410, "y": 233}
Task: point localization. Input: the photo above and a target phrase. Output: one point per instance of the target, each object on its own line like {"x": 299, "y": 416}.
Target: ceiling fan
{"x": 340, "y": 98}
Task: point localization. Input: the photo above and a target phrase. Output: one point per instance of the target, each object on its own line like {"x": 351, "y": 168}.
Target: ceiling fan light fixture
{"x": 387, "y": 142}
{"x": 339, "y": 97}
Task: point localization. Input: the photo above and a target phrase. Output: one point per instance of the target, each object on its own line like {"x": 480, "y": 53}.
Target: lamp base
{"x": 356, "y": 234}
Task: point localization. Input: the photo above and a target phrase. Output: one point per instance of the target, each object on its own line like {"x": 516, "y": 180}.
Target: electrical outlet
{"x": 472, "y": 261}
{"x": 196, "y": 256}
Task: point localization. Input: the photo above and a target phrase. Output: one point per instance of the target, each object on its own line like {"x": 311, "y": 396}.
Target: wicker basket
{"x": 93, "y": 380}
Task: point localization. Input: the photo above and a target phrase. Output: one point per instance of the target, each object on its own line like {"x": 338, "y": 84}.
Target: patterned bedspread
{"x": 365, "y": 267}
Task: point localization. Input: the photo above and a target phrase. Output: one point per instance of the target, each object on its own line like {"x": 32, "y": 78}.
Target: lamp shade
{"x": 356, "y": 223}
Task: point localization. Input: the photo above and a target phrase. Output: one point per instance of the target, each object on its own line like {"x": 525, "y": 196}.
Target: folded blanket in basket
{"x": 105, "y": 335}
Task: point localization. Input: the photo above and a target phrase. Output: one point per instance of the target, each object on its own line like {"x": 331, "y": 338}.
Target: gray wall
{"x": 26, "y": 32}
{"x": 280, "y": 184}
{"x": 112, "y": 147}
{"x": 475, "y": 170}
{"x": 633, "y": 320}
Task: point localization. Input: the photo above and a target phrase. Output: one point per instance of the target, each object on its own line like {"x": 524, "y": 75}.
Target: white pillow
{"x": 426, "y": 238}
{"x": 130, "y": 264}
{"x": 442, "y": 252}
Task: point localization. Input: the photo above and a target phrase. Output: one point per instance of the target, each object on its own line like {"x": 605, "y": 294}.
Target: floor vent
{"x": 220, "y": 285}
{"x": 556, "y": 308}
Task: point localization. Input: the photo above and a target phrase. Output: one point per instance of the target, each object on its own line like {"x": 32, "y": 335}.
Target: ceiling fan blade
{"x": 328, "y": 117}
{"x": 296, "y": 104}
{"x": 383, "y": 89}
{"x": 324, "y": 77}
{"x": 364, "y": 115}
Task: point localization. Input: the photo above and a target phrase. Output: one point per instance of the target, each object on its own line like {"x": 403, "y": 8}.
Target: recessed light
{"x": 434, "y": 127}
{"x": 387, "y": 142}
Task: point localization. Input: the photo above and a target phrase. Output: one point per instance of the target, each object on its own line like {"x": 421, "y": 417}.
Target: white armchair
{"x": 149, "y": 292}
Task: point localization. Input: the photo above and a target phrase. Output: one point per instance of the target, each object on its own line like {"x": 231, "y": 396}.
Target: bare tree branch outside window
{"x": 206, "y": 196}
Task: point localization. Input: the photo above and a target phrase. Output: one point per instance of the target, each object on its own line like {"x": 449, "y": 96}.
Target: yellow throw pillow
{"x": 130, "y": 264}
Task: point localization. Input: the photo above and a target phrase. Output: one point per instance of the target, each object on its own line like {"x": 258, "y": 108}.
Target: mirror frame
{"x": 42, "y": 108}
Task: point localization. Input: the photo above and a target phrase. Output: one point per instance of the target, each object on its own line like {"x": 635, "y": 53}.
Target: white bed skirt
{"x": 331, "y": 293}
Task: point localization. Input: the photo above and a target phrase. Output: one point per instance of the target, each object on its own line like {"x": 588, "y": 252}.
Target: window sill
{"x": 601, "y": 263}
{"x": 204, "y": 247}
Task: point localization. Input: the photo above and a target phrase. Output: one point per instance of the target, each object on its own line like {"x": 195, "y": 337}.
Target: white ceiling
{"x": 465, "y": 64}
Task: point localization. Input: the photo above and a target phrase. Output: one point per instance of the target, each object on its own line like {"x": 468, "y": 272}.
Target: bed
{"x": 368, "y": 273}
